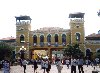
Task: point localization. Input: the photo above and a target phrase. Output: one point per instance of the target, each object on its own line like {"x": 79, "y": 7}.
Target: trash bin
{"x": 94, "y": 71}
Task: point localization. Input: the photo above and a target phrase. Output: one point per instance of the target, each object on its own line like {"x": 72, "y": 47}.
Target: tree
{"x": 5, "y": 51}
{"x": 73, "y": 50}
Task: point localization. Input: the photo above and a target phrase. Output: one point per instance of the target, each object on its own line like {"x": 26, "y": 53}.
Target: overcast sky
{"x": 48, "y": 13}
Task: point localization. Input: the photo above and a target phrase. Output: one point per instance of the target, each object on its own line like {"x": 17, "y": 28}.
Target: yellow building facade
{"x": 49, "y": 40}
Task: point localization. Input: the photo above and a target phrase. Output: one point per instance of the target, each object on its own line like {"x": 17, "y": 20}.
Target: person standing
{"x": 67, "y": 63}
{"x": 59, "y": 66}
{"x": 6, "y": 66}
{"x": 80, "y": 65}
{"x": 24, "y": 63}
{"x": 73, "y": 65}
{"x": 47, "y": 66}
{"x": 87, "y": 62}
{"x": 35, "y": 66}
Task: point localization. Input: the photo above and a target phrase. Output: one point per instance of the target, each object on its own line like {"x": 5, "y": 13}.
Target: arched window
{"x": 56, "y": 37}
{"x": 77, "y": 37}
{"x": 22, "y": 39}
{"x": 49, "y": 38}
{"x": 98, "y": 51}
{"x": 88, "y": 53}
{"x": 34, "y": 39}
{"x": 41, "y": 38}
{"x": 63, "y": 38}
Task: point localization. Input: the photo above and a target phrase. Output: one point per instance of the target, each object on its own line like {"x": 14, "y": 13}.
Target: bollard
{"x": 94, "y": 71}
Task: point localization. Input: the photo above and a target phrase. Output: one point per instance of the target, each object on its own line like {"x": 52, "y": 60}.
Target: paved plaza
{"x": 19, "y": 69}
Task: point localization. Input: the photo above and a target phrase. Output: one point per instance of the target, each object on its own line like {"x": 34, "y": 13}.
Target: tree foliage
{"x": 73, "y": 50}
{"x": 5, "y": 51}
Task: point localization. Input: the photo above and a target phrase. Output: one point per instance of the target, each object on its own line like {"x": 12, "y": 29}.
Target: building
{"x": 49, "y": 40}
{"x": 92, "y": 43}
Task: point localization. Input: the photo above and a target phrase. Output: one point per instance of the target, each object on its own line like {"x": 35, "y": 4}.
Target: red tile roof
{"x": 8, "y": 38}
{"x": 93, "y": 35}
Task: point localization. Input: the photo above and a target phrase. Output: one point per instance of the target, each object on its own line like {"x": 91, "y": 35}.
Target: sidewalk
{"x": 29, "y": 69}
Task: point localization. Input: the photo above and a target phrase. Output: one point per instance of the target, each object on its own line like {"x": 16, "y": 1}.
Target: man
{"x": 80, "y": 65}
{"x": 24, "y": 63}
{"x": 6, "y": 66}
{"x": 59, "y": 66}
{"x": 73, "y": 65}
{"x": 67, "y": 63}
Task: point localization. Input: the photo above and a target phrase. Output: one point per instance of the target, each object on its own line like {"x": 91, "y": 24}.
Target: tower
{"x": 77, "y": 28}
{"x": 23, "y": 27}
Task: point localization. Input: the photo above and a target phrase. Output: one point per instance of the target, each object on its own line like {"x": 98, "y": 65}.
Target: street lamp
{"x": 22, "y": 52}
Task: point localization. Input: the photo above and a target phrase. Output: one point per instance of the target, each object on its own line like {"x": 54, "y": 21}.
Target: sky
{"x": 48, "y": 13}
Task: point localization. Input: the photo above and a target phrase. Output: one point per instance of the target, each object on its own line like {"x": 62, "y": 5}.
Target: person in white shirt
{"x": 73, "y": 65}
{"x": 24, "y": 63}
{"x": 87, "y": 62}
{"x": 80, "y": 65}
{"x": 67, "y": 63}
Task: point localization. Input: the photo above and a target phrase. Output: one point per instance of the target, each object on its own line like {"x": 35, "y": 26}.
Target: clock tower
{"x": 23, "y": 27}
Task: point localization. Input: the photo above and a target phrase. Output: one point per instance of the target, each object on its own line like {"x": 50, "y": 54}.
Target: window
{"x": 34, "y": 39}
{"x": 22, "y": 39}
{"x": 63, "y": 38}
{"x": 77, "y": 37}
{"x": 56, "y": 38}
{"x": 77, "y": 26}
{"x": 49, "y": 38}
{"x": 41, "y": 38}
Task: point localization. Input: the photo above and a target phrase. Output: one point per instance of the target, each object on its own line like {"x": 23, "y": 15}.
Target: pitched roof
{"x": 9, "y": 38}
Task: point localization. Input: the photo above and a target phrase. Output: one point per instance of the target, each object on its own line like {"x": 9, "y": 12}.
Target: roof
{"x": 23, "y": 18}
{"x": 76, "y": 15}
{"x": 8, "y": 38}
{"x": 93, "y": 35}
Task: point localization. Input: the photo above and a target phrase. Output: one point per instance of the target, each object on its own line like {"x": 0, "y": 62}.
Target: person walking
{"x": 24, "y": 63}
{"x": 6, "y": 66}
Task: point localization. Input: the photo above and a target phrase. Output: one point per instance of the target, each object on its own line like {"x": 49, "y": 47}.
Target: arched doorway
{"x": 88, "y": 53}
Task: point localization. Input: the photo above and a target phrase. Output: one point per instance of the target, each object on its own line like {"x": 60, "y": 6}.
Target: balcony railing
{"x": 64, "y": 44}
{"x": 34, "y": 44}
{"x": 55, "y": 44}
{"x": 41, "y": 44}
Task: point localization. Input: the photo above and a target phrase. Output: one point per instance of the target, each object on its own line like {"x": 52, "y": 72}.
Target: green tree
{"x": 5, "y": 51}
{"x": 73, "y": 50}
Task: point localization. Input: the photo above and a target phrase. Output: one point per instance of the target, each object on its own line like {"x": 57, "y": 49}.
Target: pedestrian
{"x": 80, "y": 65}
{"x": 24, "y": 63}
{"x": 73, "y": 65}
{"x": 20, "y": 60}
{"x": 87, "y": 62}
{"x": 47, "y": 66}
{"x": 0, "y": 64}
{"x": 59, "y": 66}
{"x": 6, "y": 66}
{"x": 67, "y": 63}
{"x": 35, "y": 66}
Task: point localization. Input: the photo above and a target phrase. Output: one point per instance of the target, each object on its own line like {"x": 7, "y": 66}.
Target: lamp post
{"x": 22, "y": 52}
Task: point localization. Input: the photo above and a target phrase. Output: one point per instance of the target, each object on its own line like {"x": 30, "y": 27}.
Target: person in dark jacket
{"x": 35, "y": 66}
